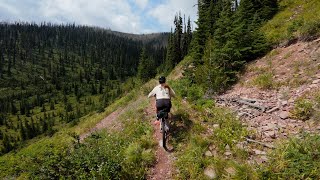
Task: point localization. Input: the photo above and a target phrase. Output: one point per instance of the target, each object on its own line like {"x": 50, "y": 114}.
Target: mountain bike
{"x": 163, "y": 116}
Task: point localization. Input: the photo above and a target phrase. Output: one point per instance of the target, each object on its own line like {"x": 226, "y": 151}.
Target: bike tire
{"x": 164, "y": 132}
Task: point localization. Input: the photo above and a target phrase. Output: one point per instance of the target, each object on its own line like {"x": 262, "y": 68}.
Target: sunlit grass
{"x": 296, "y": 19}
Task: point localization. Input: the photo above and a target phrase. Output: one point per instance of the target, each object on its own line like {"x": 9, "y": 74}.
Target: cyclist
{"x": 163, "y": 93}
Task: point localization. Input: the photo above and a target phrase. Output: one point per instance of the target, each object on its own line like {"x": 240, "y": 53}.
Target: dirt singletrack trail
{"x": 104, "y": 123}
{"x": 162, "y": 170}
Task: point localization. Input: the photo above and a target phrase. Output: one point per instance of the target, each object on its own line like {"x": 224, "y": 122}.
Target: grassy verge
{"x": 205, "y": 139}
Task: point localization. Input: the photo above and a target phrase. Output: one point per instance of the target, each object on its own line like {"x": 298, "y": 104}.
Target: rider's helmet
{"x": 162, "y": 79}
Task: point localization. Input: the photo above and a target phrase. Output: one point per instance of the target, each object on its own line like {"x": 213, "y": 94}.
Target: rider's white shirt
{"x": 161, "y": 92}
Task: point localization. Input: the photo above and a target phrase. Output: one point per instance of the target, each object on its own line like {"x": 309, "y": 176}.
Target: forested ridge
{"x": 54, "y": 74}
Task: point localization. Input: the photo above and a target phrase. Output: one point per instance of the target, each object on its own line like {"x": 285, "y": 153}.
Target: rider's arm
{"x": 152, "y": 93}
{"x": 172, "y": 93}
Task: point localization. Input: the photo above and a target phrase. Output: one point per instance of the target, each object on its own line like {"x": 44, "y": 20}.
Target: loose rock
{"x": 258, "y": 152}
{"x": 273, "y": 109}
{"x": 284, "y": 115}
{"x": 215, "y": 126}
{"x": 210, "y": 173}
{"x": 231, "y": 171}
{"x": 208, "y": 153}
{"x": 317, "y": 81}
{"x": 270, "y": 134}
{"x": 228, "y": 153}
{"x": 212, "y": 147}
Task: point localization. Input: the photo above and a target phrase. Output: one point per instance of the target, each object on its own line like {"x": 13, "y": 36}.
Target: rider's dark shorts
{"x": 163, "y": 103}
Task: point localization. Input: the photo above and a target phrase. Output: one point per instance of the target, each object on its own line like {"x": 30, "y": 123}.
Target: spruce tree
{"x": 169, "y": 63}
{"x": 146, "y": 68}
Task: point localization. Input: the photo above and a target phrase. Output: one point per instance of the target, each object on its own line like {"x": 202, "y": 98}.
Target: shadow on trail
{"x": 180, "y": 125}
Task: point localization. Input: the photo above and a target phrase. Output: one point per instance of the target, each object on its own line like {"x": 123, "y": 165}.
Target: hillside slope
{"x": 276, "y": 83}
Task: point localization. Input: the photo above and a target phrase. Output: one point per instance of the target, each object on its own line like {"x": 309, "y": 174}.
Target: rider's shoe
{"x": 166, "y": 128}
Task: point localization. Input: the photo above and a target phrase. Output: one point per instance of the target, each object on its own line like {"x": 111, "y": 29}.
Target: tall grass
{"x": 299, "y": 158}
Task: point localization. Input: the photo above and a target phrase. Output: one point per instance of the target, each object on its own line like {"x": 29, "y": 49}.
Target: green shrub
{"x": 202, "y": 104}
{"x": 299, "y": 158}
{"x": 310, "y": 29}
{"x": 303, "y": 109}
{"x": 184, "y": 88}
{"x": 264, "y": 81}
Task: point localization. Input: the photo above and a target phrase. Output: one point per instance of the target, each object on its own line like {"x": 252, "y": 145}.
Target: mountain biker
{"x": 163, "y": 93}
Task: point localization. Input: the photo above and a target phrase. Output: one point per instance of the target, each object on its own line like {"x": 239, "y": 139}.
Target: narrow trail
{"x": 104, "y": 123}
{"x": 162, "y": 169}
{"x": 109, "y": 122}
{"x": 163, "y": 166}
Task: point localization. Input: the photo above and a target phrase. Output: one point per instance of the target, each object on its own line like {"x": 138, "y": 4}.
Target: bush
{"x": 299, "y": 158}
{"x": 184, "y": 88}
{"x": 264, "y": 81}
{"x": 310, "y": 30}
{"x": 303, "y": 109}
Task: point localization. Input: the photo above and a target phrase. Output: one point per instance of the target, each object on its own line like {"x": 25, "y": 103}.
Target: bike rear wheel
{"x": 164, "y": 132}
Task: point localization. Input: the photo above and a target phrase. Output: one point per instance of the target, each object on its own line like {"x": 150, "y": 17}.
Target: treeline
{"x": 54, "y": 74}
{"x": 178, "y": 43}
{"x": 227, "y": 37}
{"x": 178, "y": 46}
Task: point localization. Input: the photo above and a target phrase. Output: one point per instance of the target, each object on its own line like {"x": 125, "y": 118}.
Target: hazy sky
{"x": 133, "y": 16}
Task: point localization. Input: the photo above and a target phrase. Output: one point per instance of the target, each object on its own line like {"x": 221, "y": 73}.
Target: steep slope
{"x": 246, "y": 132}
{"x": 268, "y": 92}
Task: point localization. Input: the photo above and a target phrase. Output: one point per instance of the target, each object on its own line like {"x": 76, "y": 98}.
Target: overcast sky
{"x": 132, "y": 16}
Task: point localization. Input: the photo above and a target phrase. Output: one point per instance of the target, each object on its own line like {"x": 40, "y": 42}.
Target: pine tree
{"x": 177, "y": 39}
{"x": 1, "y": 62}
{"x": 146, "y": 68}
{"x": 169, "y": 62}
{"x": 6, "y": 143}
{"x": 22, "y": 132}
{"x": 200, "y": 36}
{"x": 189, "y": 33}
